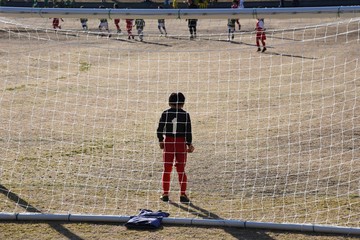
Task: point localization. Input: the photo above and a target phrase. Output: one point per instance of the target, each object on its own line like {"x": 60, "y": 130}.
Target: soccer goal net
{"x": 276, "y": 133}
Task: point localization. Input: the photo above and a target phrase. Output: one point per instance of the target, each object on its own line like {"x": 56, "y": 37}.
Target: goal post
{"x": 276, "y": 131}
{"x": 274, "y": 13}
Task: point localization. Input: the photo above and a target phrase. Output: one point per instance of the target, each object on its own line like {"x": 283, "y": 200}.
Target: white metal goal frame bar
{"x": 219, "y": 13}
{"x": 183, "y": 221}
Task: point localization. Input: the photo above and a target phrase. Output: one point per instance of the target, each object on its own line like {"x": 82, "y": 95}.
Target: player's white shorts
{"x": 231, "y": 29}
{"x": 161, "y": 25}
{"x": 104, "y": 25}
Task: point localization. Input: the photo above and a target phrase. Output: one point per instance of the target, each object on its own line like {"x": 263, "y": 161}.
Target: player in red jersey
{"x": 117, "y": 20}
{"x": 175, "y": 125}
{"x": 56, "y": 23}
{"x": 260, "y": 34}
{"x": 129, "y": 26}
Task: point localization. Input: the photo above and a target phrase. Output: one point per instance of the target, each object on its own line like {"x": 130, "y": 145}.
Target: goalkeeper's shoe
{"x": 259, "y": 49}
{"x": 264, "y": 49}
{"x": 164, "y": 198}
{"x": 184, "y": 199}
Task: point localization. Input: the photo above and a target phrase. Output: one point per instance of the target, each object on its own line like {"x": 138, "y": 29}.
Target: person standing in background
{"x": 129, "y": 26}
{"x": 117, "y": 21}
{"x": 192, "y": 23}
{"x": 260, "y": 34}
{"x": 161, "y": 25}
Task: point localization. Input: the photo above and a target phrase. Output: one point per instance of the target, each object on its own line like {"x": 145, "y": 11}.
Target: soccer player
{"x": 231, "y": 29}
{"x": 281, "y": 4}
{"x": 260, "y": 34}
{"x": 175, "y": 125}
{"x": 236, "y": 5}
{"x": 129, "y": 26}
{"x": 161, "y": 25}
{"x": 192, "y": 23}
{"x": 84, "y": 23}
{"x": 241, "y": 4}
{"x": 56, "y": 23}
{"x": 140, "y": 24}
{"x": 117, "y": 20}
{"x": 104, "y": 24}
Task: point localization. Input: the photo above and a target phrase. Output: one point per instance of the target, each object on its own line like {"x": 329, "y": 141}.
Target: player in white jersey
{"x": 140, "y": 24}
{"x": 83, "y": 22}
{"x": 235, "y": 4}
{"x": 104, "y": 25}
{"x": 231, "y": 29}
{"x": 161, "y": 25}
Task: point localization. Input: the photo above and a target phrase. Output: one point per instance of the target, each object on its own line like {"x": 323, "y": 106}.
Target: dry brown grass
{"x": 275, "y": 133}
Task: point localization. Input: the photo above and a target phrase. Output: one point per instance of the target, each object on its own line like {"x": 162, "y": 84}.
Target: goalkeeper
{"x": 175, "y": 125}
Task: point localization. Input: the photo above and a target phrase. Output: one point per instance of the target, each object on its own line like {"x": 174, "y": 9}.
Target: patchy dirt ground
{"x": 276, "y": 133}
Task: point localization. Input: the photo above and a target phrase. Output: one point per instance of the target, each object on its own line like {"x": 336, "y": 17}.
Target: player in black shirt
{"x": 175, "y": 125}
{"x": 192, "y": 23}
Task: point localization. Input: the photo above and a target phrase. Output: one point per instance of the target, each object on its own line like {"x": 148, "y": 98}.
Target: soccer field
{"x": 276, "y": 133}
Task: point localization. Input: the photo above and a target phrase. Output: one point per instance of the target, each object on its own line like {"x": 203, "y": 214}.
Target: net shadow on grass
{"x": 124, "y": 40}
{"x": 235, "y": 232}
{"x": 154, "y": 43}
{"x": 178, "y": 37}
{"x": 138, "y": 41}
{"x": 29, "y": 208}
{"x": 17, "y": 200}
{"x": 235, "y": 41}
{"x": 288, "y": 55}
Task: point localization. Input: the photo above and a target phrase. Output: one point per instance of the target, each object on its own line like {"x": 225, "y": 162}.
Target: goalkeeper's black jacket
{"x": 175, "y": 122}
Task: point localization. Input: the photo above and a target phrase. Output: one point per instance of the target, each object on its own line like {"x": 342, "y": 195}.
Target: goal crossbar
{"x": 275, "y": 13}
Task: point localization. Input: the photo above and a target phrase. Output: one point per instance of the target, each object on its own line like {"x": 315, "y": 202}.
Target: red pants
{"x": 56, "y": 23}
{"x": 117, "y": 21}
{"x": 174, "y": 149}
{"x": 260, "y": 36}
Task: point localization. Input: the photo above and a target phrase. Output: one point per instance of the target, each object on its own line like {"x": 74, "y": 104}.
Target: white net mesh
{"x": 276, "y": 133}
